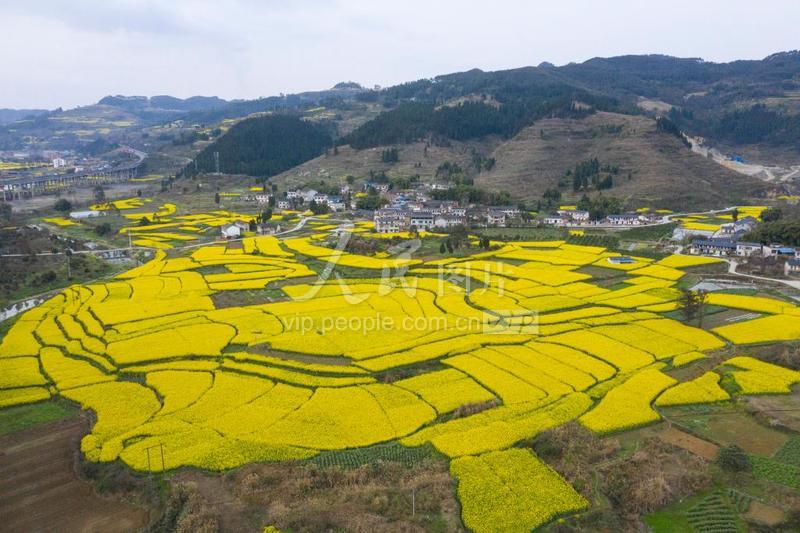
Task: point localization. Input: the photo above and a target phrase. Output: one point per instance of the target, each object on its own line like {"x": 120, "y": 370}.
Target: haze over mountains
{"x": 710, "y": 98}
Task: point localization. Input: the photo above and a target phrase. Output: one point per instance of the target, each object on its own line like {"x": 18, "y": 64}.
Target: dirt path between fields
{"x": 39, "y": 490}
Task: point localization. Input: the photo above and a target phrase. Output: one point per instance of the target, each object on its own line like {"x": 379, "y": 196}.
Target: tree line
{"x": 784, "y": 231}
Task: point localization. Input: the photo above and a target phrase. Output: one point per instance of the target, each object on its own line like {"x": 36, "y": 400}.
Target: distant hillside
{"x": 338, "y": 97}
{"x": 71, "y": 129}
{"x": 419, "y": 158}
{"x": 653, "y": 168}
{"x": 263, "y": 146}
{"x": 143, "y": 104}
{"x": 663, "y": 171}
{"x": 12, "y": 115}
{"x": 715, "y": 100}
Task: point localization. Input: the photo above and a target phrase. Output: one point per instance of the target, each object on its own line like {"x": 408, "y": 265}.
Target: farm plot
{"x": 470, "y": 355}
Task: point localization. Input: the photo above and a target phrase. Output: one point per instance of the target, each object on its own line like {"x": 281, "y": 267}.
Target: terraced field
{"x": 520, "y": 330}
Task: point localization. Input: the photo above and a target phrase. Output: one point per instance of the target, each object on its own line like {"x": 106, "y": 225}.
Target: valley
{"x": 554, "y": 298}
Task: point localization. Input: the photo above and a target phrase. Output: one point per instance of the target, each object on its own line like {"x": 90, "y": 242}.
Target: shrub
{"x": 733, "y": 459}
{"x": 63, "y": 205}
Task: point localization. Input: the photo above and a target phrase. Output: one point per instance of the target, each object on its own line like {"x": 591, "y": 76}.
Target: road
{"x": 733, "y": 264}
{"x": 774, "y": 173}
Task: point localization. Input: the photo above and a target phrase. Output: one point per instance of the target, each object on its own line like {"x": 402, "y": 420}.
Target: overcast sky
{"x": 73, "y": 52}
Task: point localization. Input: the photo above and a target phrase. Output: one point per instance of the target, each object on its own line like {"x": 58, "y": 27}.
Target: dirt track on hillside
{"x": 39, "y": 490}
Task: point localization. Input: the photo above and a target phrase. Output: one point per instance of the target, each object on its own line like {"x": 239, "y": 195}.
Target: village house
{"x": 496, "y": 217}
{"x": 390, "y": 221}
{"x": 91, "y": 213}
{"x": 261, "y": 198}
{"x": 267, "y": 229}
{"x": 441, "y": 206}
{"x": 778, "y": 250}
{"x": 234, "y": 230}
{"x": 448, "y": 220}
{"x": 422, "y": 219}
{"x": 738, "y": 229}
{"x": 716, "y": 247}
{"x": 336, "y": 203}
{"x": 627, "y": 219}
{"x": 508, "y": 210}
{"x": 746, "y": 249}
{"x": 792, "y": 266}
{"x": 580, "y": 216}
{"x": 555, "y": 220}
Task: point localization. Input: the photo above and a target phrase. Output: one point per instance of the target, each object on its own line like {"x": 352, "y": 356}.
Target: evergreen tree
{"x": 63, "y": 205}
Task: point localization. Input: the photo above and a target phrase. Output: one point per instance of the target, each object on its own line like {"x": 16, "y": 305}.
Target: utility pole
{"x": 68, "y": 254}
{"x": 216, "y": 161}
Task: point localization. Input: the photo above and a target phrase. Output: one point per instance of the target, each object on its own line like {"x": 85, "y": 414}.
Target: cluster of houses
{"x": 237, "y": 228}
{"x": 433, "y": 215}
{"x": 298, "y": 198}
{"x": 580, "y": 217}
{"x": 727, "y": 242}
{"x": 721, "y": 246}
{"x": 259, "y": 197}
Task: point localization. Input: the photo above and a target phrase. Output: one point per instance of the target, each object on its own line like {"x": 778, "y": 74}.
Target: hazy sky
{"x": 73, "y": 52}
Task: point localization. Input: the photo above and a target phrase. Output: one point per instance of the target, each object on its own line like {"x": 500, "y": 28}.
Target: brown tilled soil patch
{"x": 784, "y": 410}
{"x": 764, "y": 514}
{"x": 39, "y": 490}
{"x": 681, "y": 439}
{"x": 743, "y": 430}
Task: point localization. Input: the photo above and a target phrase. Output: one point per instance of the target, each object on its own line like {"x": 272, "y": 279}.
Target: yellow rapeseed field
{"x": 229, "y": 355}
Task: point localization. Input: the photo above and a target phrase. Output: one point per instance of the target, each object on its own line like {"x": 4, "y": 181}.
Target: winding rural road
{"x": 732, "y": 264}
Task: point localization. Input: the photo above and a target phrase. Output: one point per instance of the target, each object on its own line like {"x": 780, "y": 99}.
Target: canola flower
{"x": 628, "y": 405}
{"x": 704, "y": 389}
{"x": 511, "y": 490}
{"x": 161, "y": 358}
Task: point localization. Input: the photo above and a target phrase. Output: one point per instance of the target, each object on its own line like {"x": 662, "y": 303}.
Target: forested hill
{"x": 263, "y": 146}
{"x": 410, "y": 122}
{"x": 741, "y": 102}
{"x": 472, "y": 119}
